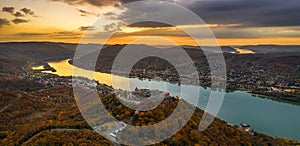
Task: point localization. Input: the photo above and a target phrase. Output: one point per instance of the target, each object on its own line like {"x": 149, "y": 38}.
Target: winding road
{"x": 11, "y": 102}
{"x": 50, "y": 130}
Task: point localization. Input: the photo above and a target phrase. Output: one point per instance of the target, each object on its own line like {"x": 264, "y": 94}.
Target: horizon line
{"x": 54, "y": 42}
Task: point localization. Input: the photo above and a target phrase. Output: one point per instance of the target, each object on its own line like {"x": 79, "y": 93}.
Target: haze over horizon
{"x": 234, "y": 22}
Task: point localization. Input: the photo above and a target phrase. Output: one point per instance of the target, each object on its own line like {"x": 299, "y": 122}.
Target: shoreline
{"x": 246, "y": 91}
{"x": 292, "y": 102}
{"x": 252, "y": 92}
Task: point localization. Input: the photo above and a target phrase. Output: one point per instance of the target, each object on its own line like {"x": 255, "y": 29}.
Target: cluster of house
{"x": 142, "y": 92}
{"x": 246, "y": 128}
{"x": 147, "y": 93}
{"x": 292, "y": 89}
{"x": 85, "y": 83}
{"x": 49, "y": 80}
{"x": 52, "y": 80}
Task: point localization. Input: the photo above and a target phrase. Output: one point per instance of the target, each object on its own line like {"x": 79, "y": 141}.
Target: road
{"x": 50, "y": 130}
{"x": 118, "y": 126}
{"x": 11, "y": 102}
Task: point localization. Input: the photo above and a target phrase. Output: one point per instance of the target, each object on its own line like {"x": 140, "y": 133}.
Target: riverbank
{"x": 256, "y": 92}
{"x": 205, "y": 83}
{"x": 279, "y": 99}
{"x": 54, "y": 119}
{"x": 237, "y": 107}
{"x": 272, "y": 72}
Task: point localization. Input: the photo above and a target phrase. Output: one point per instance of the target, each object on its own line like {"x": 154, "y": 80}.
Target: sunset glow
{"x": 67, "y": 22}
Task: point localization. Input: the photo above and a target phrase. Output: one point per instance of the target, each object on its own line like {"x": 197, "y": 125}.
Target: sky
{"x": 233, "y": 22}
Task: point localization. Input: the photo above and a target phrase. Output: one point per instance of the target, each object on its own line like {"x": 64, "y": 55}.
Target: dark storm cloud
{"x": 4, "y": 21}
{"x": 17, "y": 21}
{"x": 149, "y": 24}
{"x": 249, "y": 12}
{"x": 128, "y": 1}
{"x": 8, "y": 9}
{"x": 246, "y": 12}
{"x": 149, "y": 9}
{"x": 246, "y": 18}
{"x": 27, "y": 11}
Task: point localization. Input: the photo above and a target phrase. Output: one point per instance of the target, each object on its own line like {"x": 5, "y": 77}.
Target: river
{"x": 264, "y": 115}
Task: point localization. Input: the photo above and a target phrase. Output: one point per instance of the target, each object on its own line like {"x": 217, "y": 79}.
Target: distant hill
{"x": 33, "y": 51}
{"x": 225, "y": 49}
{"x": 17, "y": 55}
{"x": 272, "y": 49}
{"x": 48, "y": 51}
{"x": 42, "y": 50}
{"x": 14, "y": 57}
{"x": 281, "y": 55}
